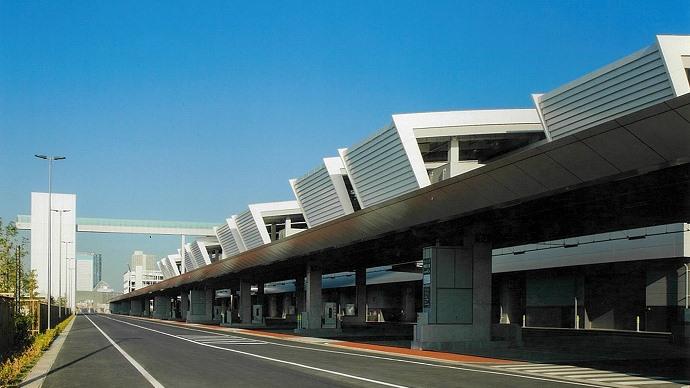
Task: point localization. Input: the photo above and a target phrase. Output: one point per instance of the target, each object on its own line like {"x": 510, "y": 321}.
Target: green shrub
{"x": 22, "y": 330}
{"x": 14, "y": 368}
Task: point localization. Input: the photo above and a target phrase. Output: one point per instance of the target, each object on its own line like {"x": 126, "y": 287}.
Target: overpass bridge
{"x": 126, "y": 226}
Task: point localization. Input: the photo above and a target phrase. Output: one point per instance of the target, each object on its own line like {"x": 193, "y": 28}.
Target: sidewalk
{"x": 39, "y": 372}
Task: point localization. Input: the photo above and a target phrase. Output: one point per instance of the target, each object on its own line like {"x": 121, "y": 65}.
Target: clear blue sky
{"x": 183, "y": 111}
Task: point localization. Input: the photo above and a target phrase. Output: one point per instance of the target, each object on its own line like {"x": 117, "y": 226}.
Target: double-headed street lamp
{"x": 66, "y": 253}
{"x": 50, "y": 160}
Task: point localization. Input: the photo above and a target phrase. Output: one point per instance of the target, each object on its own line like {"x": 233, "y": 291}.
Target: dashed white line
{"x": 132, "y": 361}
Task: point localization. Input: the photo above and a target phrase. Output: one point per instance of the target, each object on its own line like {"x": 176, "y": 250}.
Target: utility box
{"x": 257, "y": 314}
{"x": 447, "y": 285}
{"x": 330, "y": 314}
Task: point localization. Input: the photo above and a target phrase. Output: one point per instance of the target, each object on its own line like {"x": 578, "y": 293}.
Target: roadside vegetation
{"x": 13, "y": 370}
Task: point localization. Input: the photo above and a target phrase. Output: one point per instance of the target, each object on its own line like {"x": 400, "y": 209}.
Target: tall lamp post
{"x": 50, "y": 160}
{"x": 66, "y": 253}
{"x": 60, "y": 212}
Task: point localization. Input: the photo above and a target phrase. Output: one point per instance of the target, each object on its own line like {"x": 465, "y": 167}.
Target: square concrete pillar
{"x": 161, "y": 307}
{"x": 361, "y": 294}
{"x": 260, "y": 298}
{"x": 135, "y": 308}
{"x": 300, "y": 297}
{"x": 184, "y": 304}
{"x": 287, "y": 303}
{"x": 245, "y": 307}
{"x": 457, "y": 296}
{"x": 273, "y": 306}
{"x": 201, "y": 305}
{"x": 313, "y": 290}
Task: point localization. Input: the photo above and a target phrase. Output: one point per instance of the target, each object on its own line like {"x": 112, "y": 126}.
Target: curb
{"x": 40, "y": 371}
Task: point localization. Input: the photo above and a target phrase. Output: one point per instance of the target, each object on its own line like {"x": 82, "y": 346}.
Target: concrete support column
{"x": 245, "y": 307}
{"x": 457, "y": 296}
{"x": 135, "y": 308}
{"x": 287, "y": 302}
{"x": 481, "y": 287}
{"x": 161, "y": 307}
{"x": 210, "y": 296}
{"x": 453, "y": 156}
{"x": 184, "y": 304}
{"x": 361, "y": 294}
{"x": 408, "y": 304}
{"x": 313, "y": 290}
{"x": 273, "y": 306}
{"x": 300, "y": 299}
{"x": 201, "y": 305}
{"x": 260, "y": 298}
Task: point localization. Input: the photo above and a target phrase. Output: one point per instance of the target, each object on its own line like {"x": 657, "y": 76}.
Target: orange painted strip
{"x": 267, "y": 334}
{"x": 422, "y": 353}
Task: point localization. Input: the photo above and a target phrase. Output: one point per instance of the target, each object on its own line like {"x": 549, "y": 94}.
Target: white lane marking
{"x": 266, "y": 358}
{"x": 541, "y": 367}
{"x": 649, "y": 382}
{"x": 132, "y": 361}
{"x": 224, "y": 339}
{"x": 577, "y": 371}
{"x": 602, "y": 374}
{"x": 486, "y": 371}
{"x": 623, "y": 378}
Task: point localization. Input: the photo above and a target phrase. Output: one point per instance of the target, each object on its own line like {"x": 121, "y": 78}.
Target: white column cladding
{"x": 313, "y": 288}
{"x": 454, "y": 156}
{"x": 39, "y": 236}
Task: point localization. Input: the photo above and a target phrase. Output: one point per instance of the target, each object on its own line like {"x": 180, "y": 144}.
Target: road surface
{"x": 116, "y": 351}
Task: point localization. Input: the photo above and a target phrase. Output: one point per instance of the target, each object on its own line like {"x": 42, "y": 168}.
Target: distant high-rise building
{"x": 147, "y": 262}
{"x": 84, "y": 272}
{"x": 62, "y": 242}
{"x": 143, "y": 272}
{"x": 97, "y": 268}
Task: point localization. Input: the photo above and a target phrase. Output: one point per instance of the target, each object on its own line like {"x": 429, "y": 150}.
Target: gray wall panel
{"x": 379, "y": 167}
{"x": 249, "y": 230}
{"x": 631, "y": 84}
{"x": 318, "y": 197}
{"x": 227, "y": 240}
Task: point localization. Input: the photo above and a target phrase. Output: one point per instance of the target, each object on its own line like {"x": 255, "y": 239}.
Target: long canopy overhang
{"x": 641, "y": 142}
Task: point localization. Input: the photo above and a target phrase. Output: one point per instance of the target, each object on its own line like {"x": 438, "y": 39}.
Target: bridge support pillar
{"x": 184, "y": 304}
{"x": 457, "y": 296}
{"x": 245, "y": 309}
{"x": 161, "y": 307}
{"x": 300, "y": 300}
{"x": 135, "y": 308}
{"x": 201, "y": 303}
{"x": 314, "y": 305}
{"x": 361, "y": 294}
{"x": 272, "y": 306}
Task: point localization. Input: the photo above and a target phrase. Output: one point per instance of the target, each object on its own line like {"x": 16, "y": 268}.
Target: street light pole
{"x": 50, "y": 160}
{"x": 66, "y": 253}
{"x": 60, "y": 211}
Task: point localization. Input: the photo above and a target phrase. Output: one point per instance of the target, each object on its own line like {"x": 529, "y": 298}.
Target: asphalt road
{"x": 147, "y": 353}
